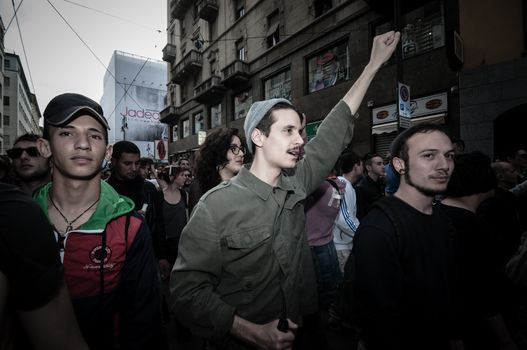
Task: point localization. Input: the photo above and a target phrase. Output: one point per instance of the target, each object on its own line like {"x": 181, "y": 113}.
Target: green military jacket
{"x": 244, "y": 250}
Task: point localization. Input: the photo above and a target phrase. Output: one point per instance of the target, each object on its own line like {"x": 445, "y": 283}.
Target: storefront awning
{"x": 384, "y": 128}
{"x": 431, "y": 119}
{"x": 391, "y": 127}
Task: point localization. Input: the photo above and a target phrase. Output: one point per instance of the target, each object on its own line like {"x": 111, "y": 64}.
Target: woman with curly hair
{"x": 220, "y": 157}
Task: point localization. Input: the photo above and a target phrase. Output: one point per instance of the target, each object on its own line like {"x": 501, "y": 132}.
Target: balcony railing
{"x": 169, "y": 53}
{"x": 192, "y": 62}
{"x": 169, "y": 114}
{"x": 236, "y": 73}
{"x": 178, "y": 7}
{"x": 210, "y": 90}
{"x": 208, "y": 9}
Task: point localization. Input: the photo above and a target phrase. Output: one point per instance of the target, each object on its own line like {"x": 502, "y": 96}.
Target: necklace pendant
{"x": 69, "y": 228}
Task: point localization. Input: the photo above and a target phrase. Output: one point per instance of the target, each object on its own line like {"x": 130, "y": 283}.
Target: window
{"x": 6, "y": 120}
{"x": 273, "y": 29}
{"x": 240, "y": 50}
{"x": 423, "y": 29}
{"x": 183, "y": 93}
{"x": 278, "y": 85}
{"x": 175, "y": 134}
{"x": 322, "y": 6}
{"x": 242, "y": 103}
{"x": 199, "y": 122}
{"x": 240, "y": 12}
{"x": 7, "y": 63}
{"x": 213, "y": 67}
{"x": 239, "y": 8}
{"x": 186, "y": 128}
{"x": 215, "y": 116}
{"x": 328, "y": 68}
{"x": 6, "y": 101}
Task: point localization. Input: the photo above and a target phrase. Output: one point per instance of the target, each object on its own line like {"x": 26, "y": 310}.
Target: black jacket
{"x": 144, "y": 192}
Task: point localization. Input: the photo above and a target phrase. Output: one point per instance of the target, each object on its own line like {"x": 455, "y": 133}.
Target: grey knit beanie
{"x": 256, "y": 114}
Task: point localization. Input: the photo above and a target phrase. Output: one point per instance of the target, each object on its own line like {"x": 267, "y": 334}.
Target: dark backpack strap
{"x": 347, "y": 301}
{"x": 334, "y": 184}
{"x": 102, "y": 257}
{"x": 384, "y": 206}
{"x": 184, "y": 195}
{"x": 126, "y": 227}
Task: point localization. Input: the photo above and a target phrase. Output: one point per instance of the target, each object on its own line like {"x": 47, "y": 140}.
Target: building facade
{"x": 134, "y": 94}
{"x": 493, "y": 81}
{"x": 21, "y": 114}
{"x": 223, "y": 55}
{"x": 2, "y": 78}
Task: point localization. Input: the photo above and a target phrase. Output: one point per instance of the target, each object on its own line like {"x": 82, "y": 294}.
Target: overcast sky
{"x": 59, "y": 61}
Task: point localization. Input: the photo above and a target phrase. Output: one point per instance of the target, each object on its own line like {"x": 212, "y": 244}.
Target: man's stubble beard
{"x": 428, "y": 192}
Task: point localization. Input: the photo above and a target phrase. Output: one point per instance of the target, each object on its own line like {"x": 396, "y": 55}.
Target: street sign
{"x": 404, "y": 101}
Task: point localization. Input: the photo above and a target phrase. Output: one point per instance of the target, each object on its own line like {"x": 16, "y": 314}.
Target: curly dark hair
{"x": 213, "y": 153}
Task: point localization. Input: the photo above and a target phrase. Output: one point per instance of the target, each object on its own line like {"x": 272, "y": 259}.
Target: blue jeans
{"x": 327, "y": 272}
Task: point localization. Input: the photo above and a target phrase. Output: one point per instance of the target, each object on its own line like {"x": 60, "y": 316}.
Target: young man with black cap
{"x": 244, "y": 267}
{"x": 402, "y": 251}
{"x": 107, "y": 254}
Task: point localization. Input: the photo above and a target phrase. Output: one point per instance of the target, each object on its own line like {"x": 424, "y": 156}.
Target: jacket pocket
{"x": 245, "y": 251}
{"x": 249, "y": 238}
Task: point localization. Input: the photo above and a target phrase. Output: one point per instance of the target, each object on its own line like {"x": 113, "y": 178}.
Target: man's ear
{"x": 257, "y": 137}
{"x": 43, "y": 147}
{"x": 399, "y": 165}
{"x": 109, "y": 151}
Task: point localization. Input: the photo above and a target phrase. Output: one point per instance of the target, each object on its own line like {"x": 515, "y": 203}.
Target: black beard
{"x": 424, "y": 191}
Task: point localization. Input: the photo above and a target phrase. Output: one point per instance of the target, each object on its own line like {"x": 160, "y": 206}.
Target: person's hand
{"x": 383, "y": 47}
{"x": 269, "y": 337}
{"x": 164, "y": 268}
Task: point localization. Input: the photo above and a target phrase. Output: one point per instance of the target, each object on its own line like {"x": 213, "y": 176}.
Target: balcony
{"x": 209, "y": 91}
{"x": 208, "y": 10}
{"x": 192, "y": 62}
{"x": 178, "y": 7}
{"x": 169, "y": 53}
{"x": 236, "y": 73}
{"x": 169, "y": 114}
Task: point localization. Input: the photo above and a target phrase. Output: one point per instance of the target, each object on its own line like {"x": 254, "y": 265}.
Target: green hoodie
{"x": 111, "y": 205}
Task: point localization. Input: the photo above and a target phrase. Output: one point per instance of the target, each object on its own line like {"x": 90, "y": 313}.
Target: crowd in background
{"x": 259, "y": 243}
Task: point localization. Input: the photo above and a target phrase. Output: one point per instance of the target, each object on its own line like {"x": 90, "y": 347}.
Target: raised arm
{"x": 336, "y": 131}
{"x": 383, "y": 47}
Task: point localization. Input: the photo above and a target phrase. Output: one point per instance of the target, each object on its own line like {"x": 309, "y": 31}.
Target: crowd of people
{"x": 267, "y": 242}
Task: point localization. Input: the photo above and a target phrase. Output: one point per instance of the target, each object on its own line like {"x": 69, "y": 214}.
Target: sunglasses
{"x": 235, "y": 149}
{"x": 15, "y": 153}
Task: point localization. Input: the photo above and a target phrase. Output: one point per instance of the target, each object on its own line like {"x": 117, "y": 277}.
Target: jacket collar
{"x": 111, "y": 205}
{"x": 260, "y": 188}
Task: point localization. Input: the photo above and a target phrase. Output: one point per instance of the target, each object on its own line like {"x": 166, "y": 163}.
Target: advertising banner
{"x": 140, "y": 108}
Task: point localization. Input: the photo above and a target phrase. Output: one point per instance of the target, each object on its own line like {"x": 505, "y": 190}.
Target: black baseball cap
{"x": 64, "y": 107}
